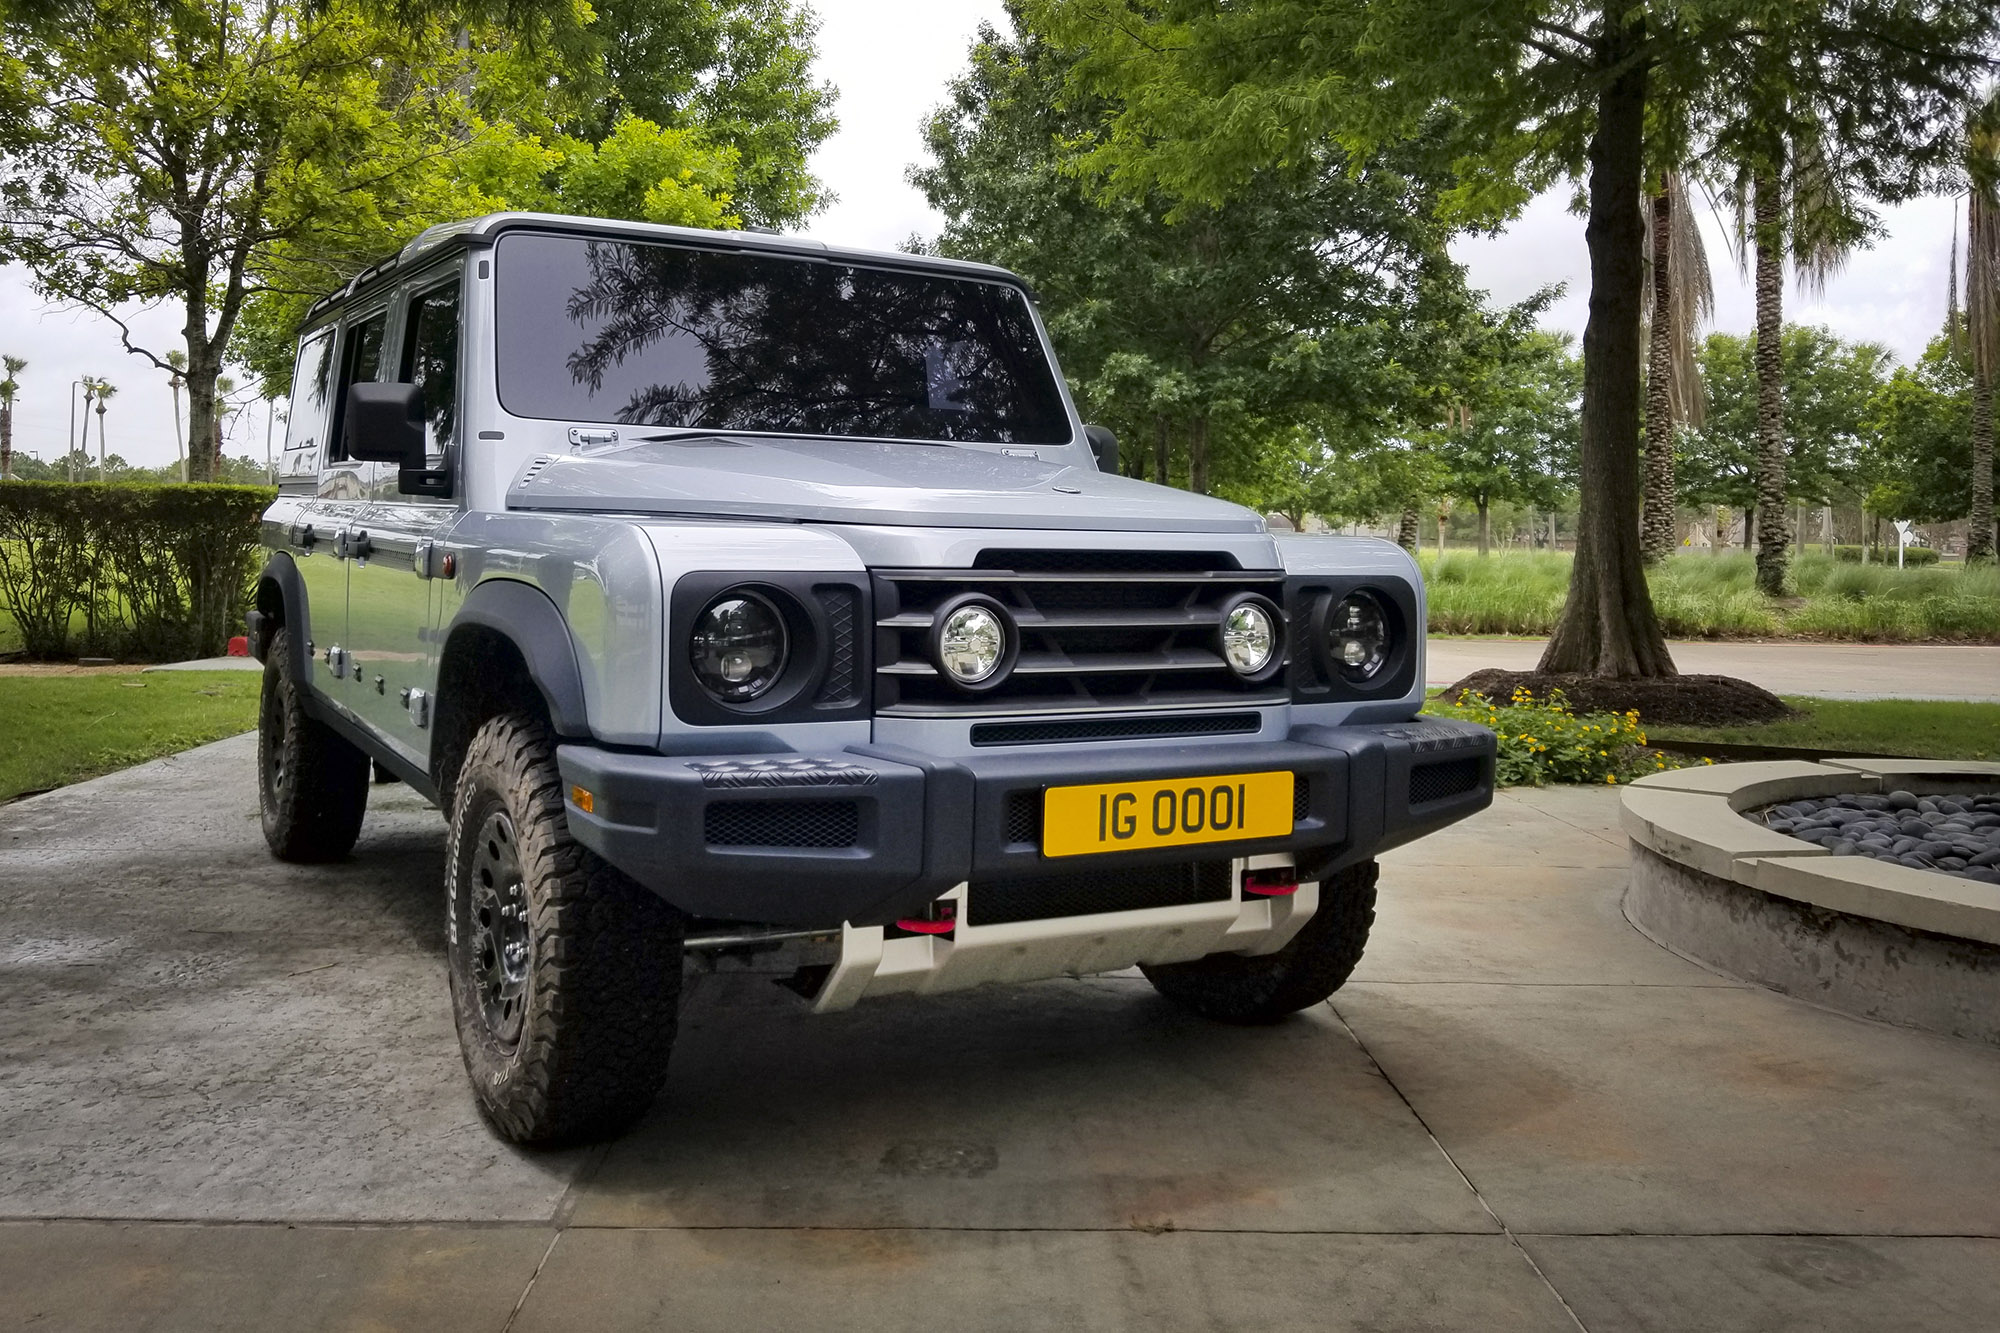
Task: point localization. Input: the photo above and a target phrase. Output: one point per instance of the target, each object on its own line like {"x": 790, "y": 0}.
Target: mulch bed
{"x": 1690, "y": 701}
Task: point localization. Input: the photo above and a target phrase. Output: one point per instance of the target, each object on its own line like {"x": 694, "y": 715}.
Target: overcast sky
{"x": 890, "y": 60}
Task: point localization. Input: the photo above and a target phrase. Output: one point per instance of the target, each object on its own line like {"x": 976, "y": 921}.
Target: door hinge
{"x": 420, "y": 559}
{"x": 419, "y": 704}
{"x": 353, "y": 544}
{"x": 337, "y": 659}
{"x": 583, "y": 437}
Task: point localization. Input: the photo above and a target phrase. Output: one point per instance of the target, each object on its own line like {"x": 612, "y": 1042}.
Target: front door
{"x": 393, "y": 537}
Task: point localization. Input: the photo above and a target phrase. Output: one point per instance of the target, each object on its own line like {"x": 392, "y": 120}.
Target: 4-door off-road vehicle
{"x": 734, "y": 595}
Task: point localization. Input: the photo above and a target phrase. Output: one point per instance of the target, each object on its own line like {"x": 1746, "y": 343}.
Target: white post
{"x": 1902, "y": 539}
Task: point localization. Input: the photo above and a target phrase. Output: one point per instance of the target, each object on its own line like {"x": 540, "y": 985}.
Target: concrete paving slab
{"x": 1517, "y": 830}
{"x": 1773, "y": 1284}
{"x": 1687, "y": 1109}
{"x": 118, "y": 1277}
{"x": 1079, "y": 1104}
{"x": 1514, "y": 924}
{"x": 196, "y": 1031}
{"x": 866, "y": 1281}
{"x": 1588, "y": 810}
{"x": 1825, "y": 670}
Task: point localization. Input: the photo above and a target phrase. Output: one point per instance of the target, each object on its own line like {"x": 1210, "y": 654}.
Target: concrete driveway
{"x": 1827, "y": 670}
{"x": 230, "y": 1099}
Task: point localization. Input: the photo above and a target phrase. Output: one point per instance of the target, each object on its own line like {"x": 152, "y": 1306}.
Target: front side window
{"x": 430, "y": 361}
{"x": 662, "y": 335}
{"x": 360, "y": 363}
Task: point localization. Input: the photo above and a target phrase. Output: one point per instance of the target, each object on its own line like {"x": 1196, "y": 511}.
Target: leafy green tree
{"x": 1539, "y": 92}
{"x": 738, "y": 72}
{"x": 1225, "y": 345}
{"x": 1512, "y": 438}
{"x": 1922, "y": 417}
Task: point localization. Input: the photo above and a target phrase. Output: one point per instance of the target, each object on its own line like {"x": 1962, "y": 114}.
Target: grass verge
{"x": 1703, "y": 596}
{"x": 63, "y": 729}
{"x": 1918, "y": 728}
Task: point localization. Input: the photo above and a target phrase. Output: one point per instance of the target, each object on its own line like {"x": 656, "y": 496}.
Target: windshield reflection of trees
{"x": 813, "y": 348}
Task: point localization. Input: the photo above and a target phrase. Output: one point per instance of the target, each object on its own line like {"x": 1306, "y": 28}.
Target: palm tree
{"x": 9, "y": 386}
{"x": 1678, "y": 298}
{"x": 175, "y": 383}
{"x": 1982, "y": 309}
{"x": 1787, "y": 206}
{"x": 105, "y": 389}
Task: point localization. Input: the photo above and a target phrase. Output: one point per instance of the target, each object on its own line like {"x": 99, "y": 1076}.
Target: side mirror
{"x": 385, "y": 424}
{"x": 1104, "y": 445}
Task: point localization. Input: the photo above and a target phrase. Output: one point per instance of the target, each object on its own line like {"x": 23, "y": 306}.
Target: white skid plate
{"x": 872, "y": 964}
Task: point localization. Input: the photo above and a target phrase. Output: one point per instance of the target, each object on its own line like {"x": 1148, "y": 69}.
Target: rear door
{"x": 343, "y": 484}
{"x": 392, "y": 540}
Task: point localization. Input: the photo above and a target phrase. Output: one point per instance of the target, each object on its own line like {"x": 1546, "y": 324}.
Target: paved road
{"x": 1520, "y": 1115}
{"x": 1829, "y": 670}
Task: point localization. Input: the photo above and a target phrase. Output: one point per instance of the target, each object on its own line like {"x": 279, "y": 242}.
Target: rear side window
{"x": 312, "y": 397}
{"x": 360, "y": 363}
{"x": 430, "y": 361}
{"x": 662, "y": 335}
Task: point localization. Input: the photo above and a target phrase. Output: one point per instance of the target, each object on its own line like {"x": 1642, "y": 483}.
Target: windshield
{"x": 663, "y": 335}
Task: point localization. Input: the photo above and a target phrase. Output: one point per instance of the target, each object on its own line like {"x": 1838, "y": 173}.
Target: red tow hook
{"x": 943, "y": 920}
{"x": 1271, "y": 881}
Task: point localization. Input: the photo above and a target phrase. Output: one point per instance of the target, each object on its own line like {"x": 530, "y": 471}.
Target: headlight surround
{"x": 739, "y": 647}
{"x": 973, "y": 642}
{"x": 1251, "y": 637}
{"x": 1358, "y": 640}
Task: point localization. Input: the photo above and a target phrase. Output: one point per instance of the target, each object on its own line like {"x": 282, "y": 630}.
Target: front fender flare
{"x": 524, "y": 614}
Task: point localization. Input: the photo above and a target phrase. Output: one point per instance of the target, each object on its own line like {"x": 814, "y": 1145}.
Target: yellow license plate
{"x": 1128, "y": 816}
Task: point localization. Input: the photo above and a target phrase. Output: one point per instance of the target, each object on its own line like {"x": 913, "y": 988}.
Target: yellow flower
{"x": 1611, "y": 778}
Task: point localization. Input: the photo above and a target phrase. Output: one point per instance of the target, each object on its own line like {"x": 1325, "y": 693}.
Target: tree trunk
{"x": 1198, "y": 455}
{"x": 1750, "y": 527}
{"x": 1979, "y": 534}
{"x": 1774, "y": 538}
{"x": 1608, "y": 627}
{"x": 204, "y": 423}
{"x": 1657, "y": 526}
{"x": 1485, "y": 527}
{"x": 1163, "y": 448}
{"x": 6, "y": 441}
{"x": 1406, "y": 530}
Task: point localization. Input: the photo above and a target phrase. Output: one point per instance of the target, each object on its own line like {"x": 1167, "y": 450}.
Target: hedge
{"x": 156, "y": 573}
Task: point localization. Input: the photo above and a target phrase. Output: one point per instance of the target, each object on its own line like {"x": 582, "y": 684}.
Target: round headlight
{"x": 1249, "y": 638}
{"x": 1357, "y": 636}
{"x": 972, "y": 643}
{"x": 739, "y": 647}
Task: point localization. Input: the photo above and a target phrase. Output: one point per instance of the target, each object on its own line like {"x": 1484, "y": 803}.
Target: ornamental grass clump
{"x": 1547, "y": 742}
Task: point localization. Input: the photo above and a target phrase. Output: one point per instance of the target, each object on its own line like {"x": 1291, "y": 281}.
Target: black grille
{"x": 782, "y": 824}
{"x": 843, "y": 624}
{"x": 1301, "y": 797}
{"x": 1024, "y": 816}
{"x": 1435, "y": 782}
{"x": 1098, "y": 630}
{"x": 1082, "y": 892}
{"x": 1113, "y": 728}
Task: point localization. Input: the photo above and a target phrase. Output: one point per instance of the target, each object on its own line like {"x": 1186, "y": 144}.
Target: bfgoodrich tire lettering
{"x": 312, "y": 787}
{"x": 1234, "y": 988}
{"x": 565, "y": 975}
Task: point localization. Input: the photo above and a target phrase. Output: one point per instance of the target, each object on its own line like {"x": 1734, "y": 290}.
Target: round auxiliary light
{"x": 1357, "y": 636}
{"x": 1249, "y": 638}
{"x": 972, "y": 643}
{"x": 739, "y": 646}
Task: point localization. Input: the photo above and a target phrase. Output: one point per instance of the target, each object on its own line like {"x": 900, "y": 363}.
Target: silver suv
{"x": 740, "y": 599}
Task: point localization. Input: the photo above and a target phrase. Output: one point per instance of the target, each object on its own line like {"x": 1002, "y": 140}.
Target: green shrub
{"x": 1912, "y": 555}
{"x": 1546, "y": 742}
{"x": 155, "y": 572}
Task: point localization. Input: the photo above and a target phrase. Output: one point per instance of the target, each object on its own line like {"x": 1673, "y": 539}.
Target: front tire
{"x": 565, "y": 975}
{"x": 312, "y": 788}
{"x": 1235, "y": 988}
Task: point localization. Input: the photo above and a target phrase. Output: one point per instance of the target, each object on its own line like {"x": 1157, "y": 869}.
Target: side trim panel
{"x": 526, "y": 616}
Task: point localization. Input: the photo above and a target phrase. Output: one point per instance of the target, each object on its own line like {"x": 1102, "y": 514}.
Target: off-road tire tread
{"x": 1233, "y": 988}
{"x": 316, "y": 817}
{"x": 605, "y": 971}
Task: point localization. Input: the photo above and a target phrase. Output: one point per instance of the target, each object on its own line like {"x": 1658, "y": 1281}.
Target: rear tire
{"x": 1235, "y": 988}
{"x": 565, "y": 975}
{"x": 312, "y": 788}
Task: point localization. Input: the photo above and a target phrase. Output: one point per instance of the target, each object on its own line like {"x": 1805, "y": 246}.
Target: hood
{"x": 862, "y": 481}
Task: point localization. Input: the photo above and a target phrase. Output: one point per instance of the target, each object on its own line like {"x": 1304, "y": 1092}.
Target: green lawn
{"x": 1921, "y": 729}
{"x": 1704, "y": 596}
{"x": 63, "y": 729}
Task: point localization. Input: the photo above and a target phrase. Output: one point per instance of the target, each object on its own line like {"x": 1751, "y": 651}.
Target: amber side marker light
{"x": 582, "y": 800}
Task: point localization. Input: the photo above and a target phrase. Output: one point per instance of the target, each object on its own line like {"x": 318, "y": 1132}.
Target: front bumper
{"x": 873, "y": 833}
